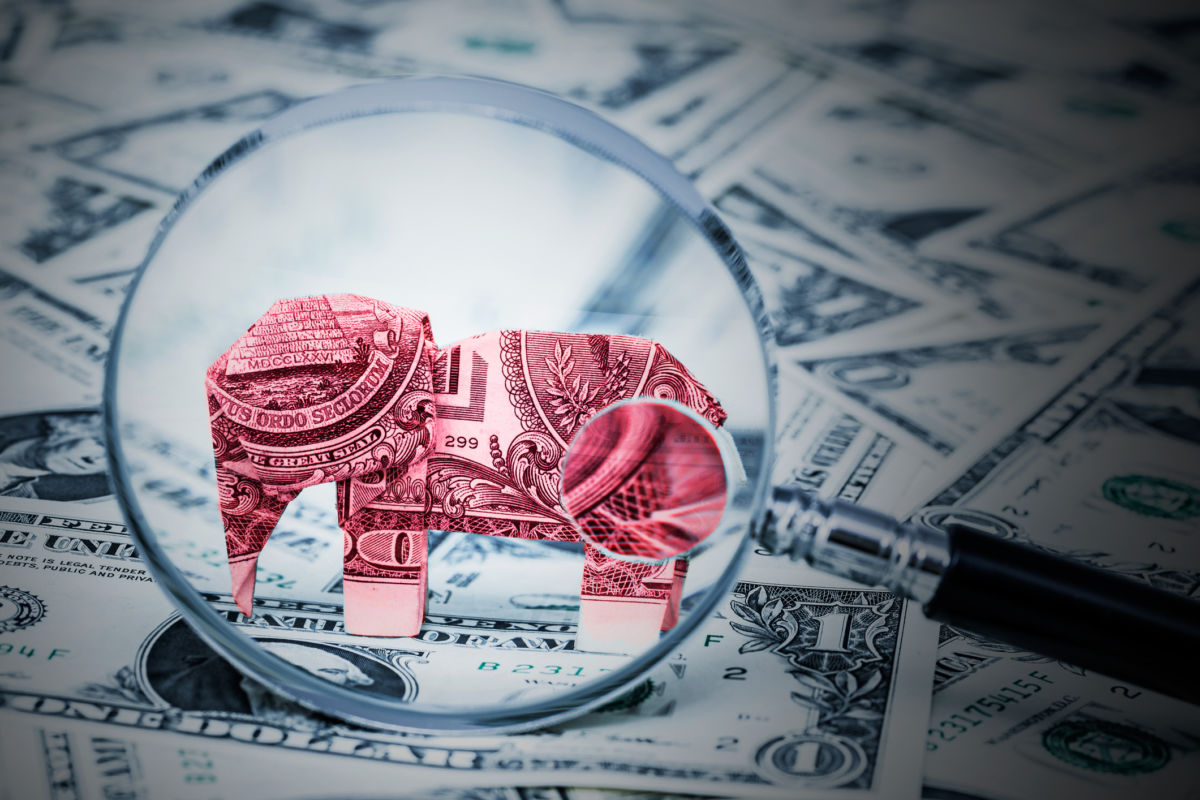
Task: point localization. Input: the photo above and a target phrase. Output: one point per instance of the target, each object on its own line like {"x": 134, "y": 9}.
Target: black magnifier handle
{"x": 1001, "y": 589}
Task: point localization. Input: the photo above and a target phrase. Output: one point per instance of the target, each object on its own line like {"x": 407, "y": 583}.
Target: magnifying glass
{"x": 489, "y": 208}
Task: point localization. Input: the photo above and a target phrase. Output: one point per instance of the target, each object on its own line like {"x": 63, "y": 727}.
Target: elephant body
{"x": 465, "y": 438}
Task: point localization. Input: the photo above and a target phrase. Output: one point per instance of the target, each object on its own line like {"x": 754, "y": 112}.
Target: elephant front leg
{"x": 623, "y": 605}
{"x": 384, "y": 573}
{"x": 249, "y": 513}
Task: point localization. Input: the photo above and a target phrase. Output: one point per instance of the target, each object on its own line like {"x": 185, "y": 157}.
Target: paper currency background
{"x": 976, "y": 225}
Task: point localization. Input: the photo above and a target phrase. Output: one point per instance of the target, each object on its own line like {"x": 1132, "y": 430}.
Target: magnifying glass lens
{"x": 645, "y": 480}
{"x": 563, "y": 268}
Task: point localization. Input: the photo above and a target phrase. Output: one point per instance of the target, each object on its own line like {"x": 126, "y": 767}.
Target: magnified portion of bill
{"x": 645, "y": 480}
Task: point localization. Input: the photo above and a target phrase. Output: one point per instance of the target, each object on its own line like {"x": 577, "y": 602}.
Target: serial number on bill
{"x": 540, "y": 669}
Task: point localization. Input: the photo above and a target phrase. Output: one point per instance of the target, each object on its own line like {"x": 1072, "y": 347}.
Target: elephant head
{"x": 318, "y": 389}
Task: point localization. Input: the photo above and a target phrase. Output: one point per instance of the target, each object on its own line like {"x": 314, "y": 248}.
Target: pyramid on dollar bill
{"x": 294, "y": 333}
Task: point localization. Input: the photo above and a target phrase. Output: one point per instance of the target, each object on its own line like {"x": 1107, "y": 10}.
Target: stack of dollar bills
{"x": 977, "y": 229}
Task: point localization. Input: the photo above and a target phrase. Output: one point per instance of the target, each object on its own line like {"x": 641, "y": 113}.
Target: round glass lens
{"x": 382, "y": 318}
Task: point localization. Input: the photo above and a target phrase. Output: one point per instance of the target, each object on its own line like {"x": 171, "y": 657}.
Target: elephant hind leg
{"x": 622, "y": 604}
{"x": 384, "y": 574}
{"x": 249, "y": 513}
{"x": 675, "y": 594}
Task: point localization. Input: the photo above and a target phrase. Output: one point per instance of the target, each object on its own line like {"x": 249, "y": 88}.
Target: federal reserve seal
{"x": 1153, "y": 497}
{"x": 1103, "y": 746}
{"x": 19, "y": 609}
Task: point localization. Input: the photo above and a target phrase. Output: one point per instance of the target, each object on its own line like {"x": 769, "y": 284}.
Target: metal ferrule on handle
{"x": 857, "y": 543}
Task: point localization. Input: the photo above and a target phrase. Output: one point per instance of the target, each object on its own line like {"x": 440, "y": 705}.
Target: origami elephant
{"x": 465, "y": 438}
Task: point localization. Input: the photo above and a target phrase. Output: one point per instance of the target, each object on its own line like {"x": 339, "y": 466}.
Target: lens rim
{"x": 481, "y": 97}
